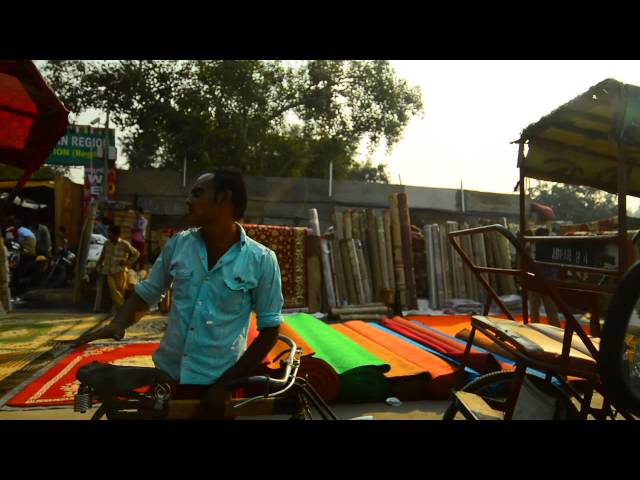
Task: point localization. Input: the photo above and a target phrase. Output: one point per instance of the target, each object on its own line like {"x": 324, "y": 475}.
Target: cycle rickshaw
{"x": 593, "y": 140}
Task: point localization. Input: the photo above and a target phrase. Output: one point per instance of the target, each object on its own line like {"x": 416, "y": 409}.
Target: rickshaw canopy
{"x": 583, "y": 141}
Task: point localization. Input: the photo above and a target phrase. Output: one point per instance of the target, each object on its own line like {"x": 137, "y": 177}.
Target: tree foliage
{"x": 575, "y": 203}
{"x": 266, "y": 117}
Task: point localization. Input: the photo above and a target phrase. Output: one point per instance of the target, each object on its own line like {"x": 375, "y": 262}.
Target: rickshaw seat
{"x": 537, "y": 342}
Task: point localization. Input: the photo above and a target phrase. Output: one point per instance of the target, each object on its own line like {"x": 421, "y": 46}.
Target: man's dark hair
{"x": 115, "y": 229}
{"x": 230, "y": 179}
{"x": 542, "y": 232}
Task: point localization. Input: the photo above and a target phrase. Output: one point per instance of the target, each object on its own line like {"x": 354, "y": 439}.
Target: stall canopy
{"x": 32, "y": 118}
{"x": 582, "y": 141}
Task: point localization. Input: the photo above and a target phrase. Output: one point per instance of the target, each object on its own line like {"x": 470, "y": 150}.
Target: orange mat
{"x": 405, "y": 359}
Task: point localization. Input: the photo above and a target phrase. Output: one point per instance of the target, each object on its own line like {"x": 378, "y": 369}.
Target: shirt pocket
{"x": 234, "y": 297}
{"x": 181, "y": 280}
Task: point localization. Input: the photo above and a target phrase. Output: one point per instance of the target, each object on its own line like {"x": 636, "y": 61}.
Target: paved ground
{"x": 427, "y": 410}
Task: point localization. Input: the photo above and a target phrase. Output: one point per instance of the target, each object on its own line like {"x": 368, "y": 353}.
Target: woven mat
{"x": 150, "y": 328}
{"x": 26, "y": 336}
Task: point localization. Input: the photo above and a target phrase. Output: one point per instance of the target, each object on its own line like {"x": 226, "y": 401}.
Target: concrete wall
{"x": 286, "y": 201}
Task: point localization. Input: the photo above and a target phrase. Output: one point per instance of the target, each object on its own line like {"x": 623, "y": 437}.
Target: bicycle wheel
{"x": 495, "y": 388}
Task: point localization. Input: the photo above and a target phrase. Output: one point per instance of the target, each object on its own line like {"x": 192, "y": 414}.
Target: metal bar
{"x": 521, "y": 371}
{"x": 492, "y": 293}
{"x": 577, "y": 239}
{"x": 622, "y": 212}
{"x": 577, "y": 268}
{"x": 505, "y": 271}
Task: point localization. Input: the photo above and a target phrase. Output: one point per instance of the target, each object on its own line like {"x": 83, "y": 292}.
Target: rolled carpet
{"x": 482, "y": 362}
{"x": 361, "y": 373}
{"x": 317, "y": 372}
{"x": 441, "y": 385}
{"x": 480, "y": 343}
{"x": 407, "y": 381}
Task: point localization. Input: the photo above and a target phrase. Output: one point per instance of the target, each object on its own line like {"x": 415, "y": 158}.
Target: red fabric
{"x": 58, "y": 384}
{"x": 480, "y": 361}
{"x": 32, "y": 118}
{"x": 289, "y": 245}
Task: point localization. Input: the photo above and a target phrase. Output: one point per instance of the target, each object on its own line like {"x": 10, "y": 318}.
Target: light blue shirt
{"x": 210, "y": 311}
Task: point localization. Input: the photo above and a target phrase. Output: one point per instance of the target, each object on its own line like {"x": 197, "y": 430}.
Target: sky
{"x": 473, "y": 110}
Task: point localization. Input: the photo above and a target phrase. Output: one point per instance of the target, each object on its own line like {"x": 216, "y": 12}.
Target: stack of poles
{"x": 450, "y": 278}
{"x": 367, "y": 261}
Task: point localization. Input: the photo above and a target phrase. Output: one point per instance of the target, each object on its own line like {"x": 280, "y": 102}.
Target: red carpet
{"x": 58, "y": 384}
{"x": 289, "y": 244}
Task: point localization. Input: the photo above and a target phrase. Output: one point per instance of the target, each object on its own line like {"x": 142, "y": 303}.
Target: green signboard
{"x": 82, "y": 144}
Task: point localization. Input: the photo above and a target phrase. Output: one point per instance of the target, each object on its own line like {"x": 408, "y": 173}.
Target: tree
{"x": 45, "y": 172}
{"x": 266, "y": 117}
{"x": 575, "y": 203}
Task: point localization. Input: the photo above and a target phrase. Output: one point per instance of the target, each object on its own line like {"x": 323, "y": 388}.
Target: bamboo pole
{"x": 374, "y": 251}
{"x": 431, "y": 267}
{"x": 459, "y": 287}
{"x": 480, "y": 259}
{"x": 338, "y": 270}
{"x": 314, "y": 263}
{"x": 396, "y": 238}
{"x": 446, "y": 268}
{"x": 489, "y": 241}
{"x": 325, "y": 257}
{"x": 407, "y": 250}
{"x": 385, "y": 284}
{"x": 386, "y": 217}
{"x": 470, "y": 281}
{"x": 355, "y": 269}
{"x": 348, "y": 225}
{"x": 362, "y": 265}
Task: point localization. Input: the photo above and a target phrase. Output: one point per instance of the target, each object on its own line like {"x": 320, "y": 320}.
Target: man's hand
{"x": 213, "y": 403}
{"x": 112, "y": 331}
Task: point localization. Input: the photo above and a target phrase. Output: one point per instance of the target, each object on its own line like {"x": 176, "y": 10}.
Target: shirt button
{"x": 185, "y": 355}
{"x": 199, "y": 302}
{"x": 192, "y": 329}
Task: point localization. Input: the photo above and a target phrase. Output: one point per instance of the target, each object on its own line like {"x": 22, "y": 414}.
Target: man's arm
{"x": 100, "y": 261}
{"x": 134, "y": 308}
{"x": 133, "y": 255}
{"x": 145, "y": 294}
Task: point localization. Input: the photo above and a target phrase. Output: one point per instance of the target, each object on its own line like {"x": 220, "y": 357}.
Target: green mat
{"x": 361, "y": 374}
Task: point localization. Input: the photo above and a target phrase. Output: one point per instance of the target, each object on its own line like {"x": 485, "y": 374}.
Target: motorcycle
{"x": 25, "y": 271}
{"x": 61, "y": 270}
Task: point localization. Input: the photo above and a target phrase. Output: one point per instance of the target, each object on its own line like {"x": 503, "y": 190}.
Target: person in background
{"x": 116, "y": 258}
{"x": 43, "y": 238}
{"x": 138, "y": 229}
{"x": 536, "y": 299}
{"x": 99, "y": 227}
{"x": 27, "y": 240}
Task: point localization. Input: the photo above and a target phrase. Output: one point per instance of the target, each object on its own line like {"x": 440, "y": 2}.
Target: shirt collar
{"x": 243, "y": 235}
